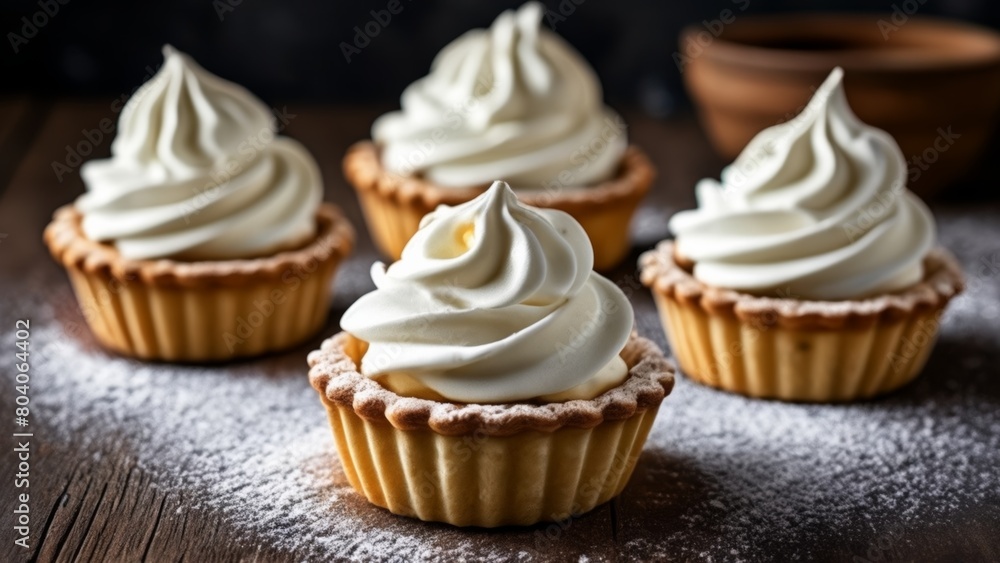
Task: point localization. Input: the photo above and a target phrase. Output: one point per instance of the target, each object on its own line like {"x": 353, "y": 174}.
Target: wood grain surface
{"x": 703, "y": 490}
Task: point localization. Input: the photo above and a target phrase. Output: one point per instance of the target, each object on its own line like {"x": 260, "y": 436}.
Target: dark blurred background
{"x": 290, "y": 50}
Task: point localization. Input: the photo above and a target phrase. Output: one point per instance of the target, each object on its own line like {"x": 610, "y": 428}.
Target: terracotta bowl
{"x": 920, "y": 79}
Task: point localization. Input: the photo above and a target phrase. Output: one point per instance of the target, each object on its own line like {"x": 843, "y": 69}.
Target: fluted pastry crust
{"x": 670, "y": 276}
{"x": 334, "y": 374}
{"x": 69, "y": 246}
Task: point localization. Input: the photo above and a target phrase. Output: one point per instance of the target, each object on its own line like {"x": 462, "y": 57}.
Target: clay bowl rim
{"x": 873, "y": 53}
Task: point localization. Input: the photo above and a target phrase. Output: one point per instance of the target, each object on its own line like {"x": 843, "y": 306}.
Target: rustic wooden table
{"x": 132, "y": 460}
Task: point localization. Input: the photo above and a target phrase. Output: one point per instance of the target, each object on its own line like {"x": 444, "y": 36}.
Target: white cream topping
{"x": 198, "y": 173}
{"x": 514, "y": 102}
{"x": 815, "y": 208}
{"x": 493, "y": 301}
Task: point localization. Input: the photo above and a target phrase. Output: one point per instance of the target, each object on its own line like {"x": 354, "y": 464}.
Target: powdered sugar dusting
{"x": 722, "y": 477}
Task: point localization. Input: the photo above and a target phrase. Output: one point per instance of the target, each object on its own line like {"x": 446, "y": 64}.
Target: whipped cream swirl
{"x": 815, "y": 208}
{"x": 198, "y": 173}
{"x": 493, "y": 301}
{"x": 514, "y": 102}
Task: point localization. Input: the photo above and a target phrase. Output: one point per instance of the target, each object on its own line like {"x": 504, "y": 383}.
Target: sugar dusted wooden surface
{"x": 236, "y": 462}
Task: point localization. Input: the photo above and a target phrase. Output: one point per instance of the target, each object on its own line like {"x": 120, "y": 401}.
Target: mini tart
{"x": 798, "y": 350}
{"x": 487, "y": 465}
{"x": 393, "y": 205}
{"x": 202, "y": 310}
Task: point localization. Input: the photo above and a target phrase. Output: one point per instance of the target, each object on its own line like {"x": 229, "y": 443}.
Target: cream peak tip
{"x": 498, "y": 187}
{"x": 532, "y": 11}
{"x": 834, "y": 81}
{"x": 168, "y": 51}
{"x": 820, "y": 98}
